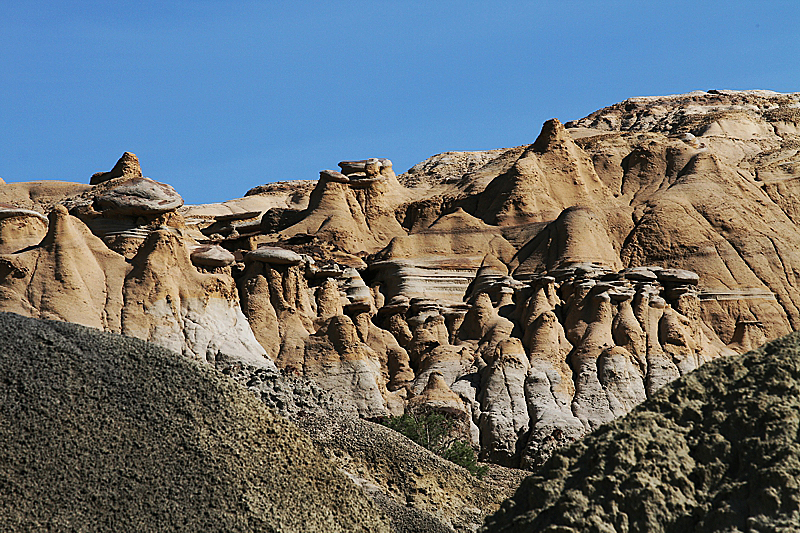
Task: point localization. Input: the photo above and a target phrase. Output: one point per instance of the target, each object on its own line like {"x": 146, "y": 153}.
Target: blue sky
{"x": 216, "y": 97}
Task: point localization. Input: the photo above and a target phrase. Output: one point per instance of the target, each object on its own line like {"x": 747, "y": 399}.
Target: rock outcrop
{"x": 127, "y": 165}
{"x": 153, "y": 292}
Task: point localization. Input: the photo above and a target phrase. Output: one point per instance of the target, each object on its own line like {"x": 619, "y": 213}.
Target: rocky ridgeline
{"x": 536, "y": 292}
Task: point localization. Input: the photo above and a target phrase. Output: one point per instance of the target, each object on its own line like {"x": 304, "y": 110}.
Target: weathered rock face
{"x": 20, "y": 228}
{"x": 713, "y": 451}
{"x": 71, "y": 275}
{"x": 168, "y": 301}
{"x": 538, "y": 291}
{"x": 550, "y": 175}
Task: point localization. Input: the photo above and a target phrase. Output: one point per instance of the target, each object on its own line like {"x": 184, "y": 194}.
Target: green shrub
{"x": 438, "y": 433}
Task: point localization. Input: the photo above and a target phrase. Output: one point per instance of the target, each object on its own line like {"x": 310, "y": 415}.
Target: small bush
{"x": 435, "y": 431}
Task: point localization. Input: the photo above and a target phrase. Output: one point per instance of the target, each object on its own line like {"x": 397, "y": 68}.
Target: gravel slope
{"x": 100, "y": 432}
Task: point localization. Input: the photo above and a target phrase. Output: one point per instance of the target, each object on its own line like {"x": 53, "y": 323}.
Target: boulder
{"x": 274, "y": 256}
{"x": 138, "y": 196}
{"x": 213, "y": 256}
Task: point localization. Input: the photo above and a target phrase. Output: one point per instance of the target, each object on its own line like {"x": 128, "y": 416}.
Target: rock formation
{"x": 538, "y": 291}
{"x": 153, "y": 291}
{"x": 103, "y": 432}
{"x": 713, "y": 451}
{"x": 127, "y": 165}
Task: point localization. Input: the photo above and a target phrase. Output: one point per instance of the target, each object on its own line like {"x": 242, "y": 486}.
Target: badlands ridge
{"x": 536, "y": 292}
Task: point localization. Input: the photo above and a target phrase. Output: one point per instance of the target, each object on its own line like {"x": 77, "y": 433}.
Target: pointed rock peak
{"x": 58, "y": 211}
{"x": 458, "y": 220}
{"x": 483, "y": 302}
{"x": 67, "y": 232}
{"x": 60, "y": 229}
{"x": 510, "y": 351}
{"x": 128, "y": 165}
{"x": 437, "y": 396}
{"x": 160, "y": 240}
{"x": 343, "y": 334}
{"x": 436, "y": 383}
{"x": 492, "y": 264}
{"x": 553, "y": 133}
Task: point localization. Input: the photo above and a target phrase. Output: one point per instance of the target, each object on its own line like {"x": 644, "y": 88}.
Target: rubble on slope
{"x": 109, "y": 433}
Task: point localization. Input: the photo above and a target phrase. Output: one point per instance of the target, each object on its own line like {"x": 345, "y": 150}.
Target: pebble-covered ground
{"x": 100, "y": 432}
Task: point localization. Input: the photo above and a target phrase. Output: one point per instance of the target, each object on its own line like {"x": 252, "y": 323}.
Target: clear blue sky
{"x": 216, "y": 97}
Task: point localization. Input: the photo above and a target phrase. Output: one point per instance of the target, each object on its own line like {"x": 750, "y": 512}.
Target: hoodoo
{"x": 541, "y": 291}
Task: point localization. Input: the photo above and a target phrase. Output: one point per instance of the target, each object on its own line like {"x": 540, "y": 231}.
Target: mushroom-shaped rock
{"x": 274, "y": 256}
{"x": 128, "y": 165}
{"x": 639, "y": 274}
{"x": 678, "y": 275}
{"x": 212, "y": 255}
{"x": 621, "y": 294}
{"x": 355, "y": 167}
{"x": 332, "y": 175}
{"x": 658, "y": 302}
{"x": 139, "y": 196}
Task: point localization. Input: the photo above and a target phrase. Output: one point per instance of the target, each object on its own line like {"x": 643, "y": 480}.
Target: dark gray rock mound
{"x": 100, "y": 432}
{"x": 288, "y": 395}
{"x": 717, "y": 450}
